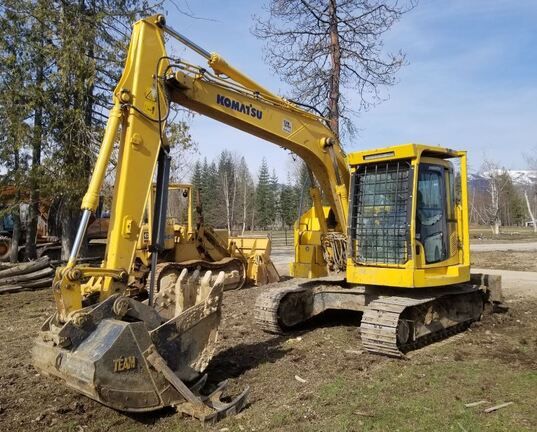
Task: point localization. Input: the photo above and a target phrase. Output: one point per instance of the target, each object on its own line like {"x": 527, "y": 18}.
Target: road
{"x": 490, "y": 247}
{"x": 515, "y": 284}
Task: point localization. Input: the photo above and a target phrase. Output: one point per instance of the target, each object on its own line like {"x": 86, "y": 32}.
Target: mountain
{"x": 519, "y": 177}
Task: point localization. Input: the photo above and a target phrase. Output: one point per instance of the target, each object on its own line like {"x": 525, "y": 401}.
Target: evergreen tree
{"x": 264, "y": 198}
{"x": 275, "y": 197}
{"x": 197, "y": 177}
{"x": 302, "y": 187}
{"x": 288, "y": 205}
{"x": 14, "y": 110}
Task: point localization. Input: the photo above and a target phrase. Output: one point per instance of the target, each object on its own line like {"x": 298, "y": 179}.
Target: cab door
{"x": 432, "y": 231}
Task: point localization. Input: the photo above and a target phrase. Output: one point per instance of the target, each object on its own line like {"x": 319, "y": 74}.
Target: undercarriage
{"x": 394, "y": 321}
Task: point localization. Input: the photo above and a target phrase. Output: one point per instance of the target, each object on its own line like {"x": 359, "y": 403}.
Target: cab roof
{"x": 401, "y": 151}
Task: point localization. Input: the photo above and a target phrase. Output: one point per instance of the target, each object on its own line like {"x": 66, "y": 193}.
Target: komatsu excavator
{"x": 395, "y": 224}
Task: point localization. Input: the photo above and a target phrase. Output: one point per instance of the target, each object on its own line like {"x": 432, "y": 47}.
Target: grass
{"x": 506, "y": 233}
{"x": 418, "y": 397}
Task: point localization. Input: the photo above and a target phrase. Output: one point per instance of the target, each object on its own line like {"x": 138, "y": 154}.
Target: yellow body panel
{"x": 309, "y": 261}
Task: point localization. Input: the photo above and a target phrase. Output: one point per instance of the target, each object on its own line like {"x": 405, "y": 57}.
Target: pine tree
{"x": 302, "y": 187}
{"x": 274, "y": 198}
{"x": 288, "y": 205}
{"x": 14, "y": 110}
{"x": 264, "y": 206}
{"x": 197, "y": 177}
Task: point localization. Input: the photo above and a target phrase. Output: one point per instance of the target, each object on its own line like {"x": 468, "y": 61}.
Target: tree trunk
{"x": 227, "y": 202}
{"x": 530, "y": 212}
{"x": 31, "y": 232}
{"x": 335, "y": 72}
{"x": 245, "y": 184}
{"x": 37, "y": 137}
{"x": 234, "y": 196}
{"x": 16, "y": 214}
{"x": 253, "y": 214}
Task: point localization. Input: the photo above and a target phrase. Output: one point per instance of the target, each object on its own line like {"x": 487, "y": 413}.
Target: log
{"x": 29, "y": 286}
{"x": 16, "y": 280}
{"x": 25, "y": 268}
{"x": 497, "y": 407}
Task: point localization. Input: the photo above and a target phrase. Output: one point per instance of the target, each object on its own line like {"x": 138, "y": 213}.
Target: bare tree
{"x": 497, "y": 179}
{"x": 532, "y": 164}
{"x": 528, "y": 204}
{"x": 246, "y": 190}
{"x": 323, "y": 47}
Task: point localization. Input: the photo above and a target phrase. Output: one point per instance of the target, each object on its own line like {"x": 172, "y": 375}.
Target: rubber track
{"x": 380, "y": 320}
{"x": 266, "y": 308}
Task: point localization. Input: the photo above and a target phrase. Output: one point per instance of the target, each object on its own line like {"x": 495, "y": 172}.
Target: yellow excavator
{"x": 395, "y": 224}
{"x": 192, "y": 245}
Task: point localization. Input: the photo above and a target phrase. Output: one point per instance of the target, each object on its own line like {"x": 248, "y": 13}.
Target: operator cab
{"x": 407, "y": 228}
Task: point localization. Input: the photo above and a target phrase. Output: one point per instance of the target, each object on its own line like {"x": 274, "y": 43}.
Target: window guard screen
{"x": 380, "y": 213}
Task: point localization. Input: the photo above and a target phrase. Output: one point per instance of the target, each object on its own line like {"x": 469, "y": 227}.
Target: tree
{"x": 14, "y": 111}
{"x": 531, "y": 191}
{"x": 247, "y": 193}
{"x": 227, "y": 175}
{"x": 274, "y": 208}
{"x": 497, "y": 181}
{"x": 325, "y": 47}
{"x": 289, "y": 203}
{"x": 264, "y": 199}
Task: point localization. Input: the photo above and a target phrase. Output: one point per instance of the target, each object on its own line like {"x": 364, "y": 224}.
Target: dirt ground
{"x": 506, "y": 260}
{"x": 344, "y": 388}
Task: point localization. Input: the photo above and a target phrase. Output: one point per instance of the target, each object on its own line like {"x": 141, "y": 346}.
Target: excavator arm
{"x": 138, "y": 117}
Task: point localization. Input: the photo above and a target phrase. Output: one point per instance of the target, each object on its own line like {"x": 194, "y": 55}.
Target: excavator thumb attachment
{"x": 134, "y": 357}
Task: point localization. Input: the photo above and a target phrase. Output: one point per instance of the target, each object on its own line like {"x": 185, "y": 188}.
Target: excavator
{"x": 392, "y": 221}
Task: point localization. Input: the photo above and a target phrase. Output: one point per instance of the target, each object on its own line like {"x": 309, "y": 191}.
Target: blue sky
{"x": 469, "y": 83}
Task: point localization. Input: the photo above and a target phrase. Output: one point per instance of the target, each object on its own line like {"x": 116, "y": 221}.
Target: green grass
{"x": 418, "y": 397}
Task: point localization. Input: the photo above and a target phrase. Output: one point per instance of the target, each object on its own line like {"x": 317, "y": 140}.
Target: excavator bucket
{"x": 256, "y": 250}
{"x": 134, "y": 357}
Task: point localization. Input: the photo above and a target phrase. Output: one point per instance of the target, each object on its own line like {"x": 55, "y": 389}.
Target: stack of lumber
{"x": 26, "y": 276}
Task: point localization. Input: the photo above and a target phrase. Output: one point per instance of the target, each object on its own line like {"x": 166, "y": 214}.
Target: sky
{"x": 469, "y": 82}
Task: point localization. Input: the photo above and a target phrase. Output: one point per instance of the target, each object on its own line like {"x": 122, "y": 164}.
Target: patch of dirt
{"x": 319, "y": 353}
{"x": 505, "y": 260}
